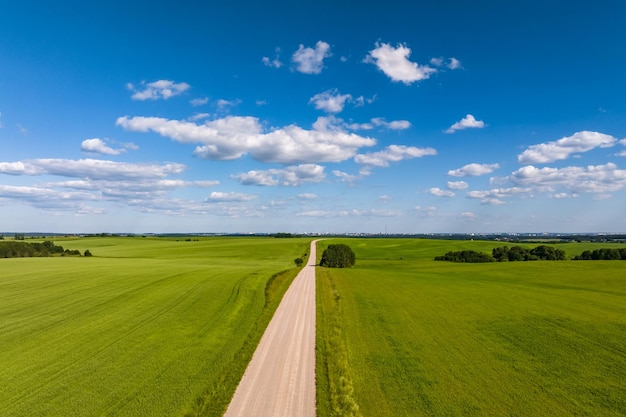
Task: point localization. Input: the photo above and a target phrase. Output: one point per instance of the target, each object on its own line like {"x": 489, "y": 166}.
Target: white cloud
{"x": 394, "y": 62}
{"x": 450, "y": 63}
{"x": 457, "y": 185}
{"x": 199, "y": 116}
{"x": 591, "y": 179}
{"x": 223, "y": 105}
{"x": 307, "y": 196}
{"x": 330, "y": 101}
{"x": 90, "y": 168}
{"x": 221, "y": 197}
{"x": 426, "y": 211}
{"x": 351, "y": 213}
{"x": 99, "y": 146}
{"x": 560, "y": 196}
{"x": 361, "y": 101}
{"x": 467, "y": 122}
{"x": 392, "y": 153}
{"x": 495, "y": 196}
{"x": 473, "y": 170}
{"x": 561, "y": 149}
{"x": 273, "y": 63}
{"x": 454, "y": 63}
{"x": 114, "y": 183}
{"x": 161, "y": 89}
{"x": 438, "y": 192}
{"x": 468, "y": 215}
{"x": 393, "y": 125}
{"x": 309, "y": 60}
{"x": 290, "y": 177}
{"x": 436, "y": 61}
{"x": 199, "y": 101}
{"x": 344, "y": 176}
{"x": 232, "y": 137}
{"x": 333, "y": 123}
{"x": 384, "y": 199}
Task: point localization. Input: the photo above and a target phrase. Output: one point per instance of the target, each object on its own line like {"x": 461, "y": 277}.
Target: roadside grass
{"x": 145, "y": 327}
{"x": 420, "y": 337}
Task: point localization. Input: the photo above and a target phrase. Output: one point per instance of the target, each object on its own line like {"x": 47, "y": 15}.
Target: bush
{"x": 298, "y": 262}
{"x": 88, "y": 253}
{"x": 338, "y": 256}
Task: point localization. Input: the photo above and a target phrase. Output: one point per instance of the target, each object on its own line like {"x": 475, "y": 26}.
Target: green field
{"x": 403, "y": 335}
{"x": 146, "y": 327}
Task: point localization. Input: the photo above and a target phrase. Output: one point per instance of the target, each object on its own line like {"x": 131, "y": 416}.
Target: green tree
{"x": 338, "y": 256}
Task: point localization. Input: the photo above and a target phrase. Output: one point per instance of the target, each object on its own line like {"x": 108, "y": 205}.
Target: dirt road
{"x": 280, "y": 379}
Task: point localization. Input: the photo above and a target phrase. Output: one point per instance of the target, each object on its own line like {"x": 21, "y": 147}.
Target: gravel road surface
{"x": 280, "y": 379}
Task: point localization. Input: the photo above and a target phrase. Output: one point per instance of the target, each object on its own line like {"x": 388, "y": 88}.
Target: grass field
{"x": 146, "y": 327}
{"x": 402, "y": 335}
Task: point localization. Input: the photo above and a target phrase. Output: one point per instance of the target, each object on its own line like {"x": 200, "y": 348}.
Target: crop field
{"x": 145, "y": 327}
{"x": 403, "y": 335}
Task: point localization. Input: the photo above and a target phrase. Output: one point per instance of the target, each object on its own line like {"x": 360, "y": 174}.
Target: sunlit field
{"x": 145, "y": 327}
{"x": 403, "y": 335}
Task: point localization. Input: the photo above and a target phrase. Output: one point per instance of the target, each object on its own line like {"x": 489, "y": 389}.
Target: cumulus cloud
{"x": 591, "y": 179}
{"x": 392, "y": 153}
{"x": 99, "y": 146}
{"x": 309, "y": 60}
{"x": 139, "y": 185}
{"x": 362, "y": 101}
{"x": 450, "y": 63}
{"x": 454, "y": 63}
{"x": 438, "y": 192}
{"x": 223, "y": 105}
{"x": 199, "y": 101}
{"x": 393, "y": 125}
{"x": 290, "y": 177}
{"x": 333, "y": 123}
{"x": 425, "y": 211}
{"x": 394, "y": 62}
{"x": 351, "y": 213}
{"x": 234, "y": 136}
{"x": 467, "y": 122}
{"x": 468, "y": 215}
{"x": 457, "y": 185}
{"x": 161, "y": 89}
{"x": 495, "y": 195}
{"x": 344, "y": 176}
{"x": 307, "y": 196}
{"x": 90, "y": 168}
{"x": 561, "y": 149}
{"x": 473, "y": 170}
{"x": 273, "y": 63}
{"x": 331, "y": 101}
{"x": 221, "y": 197}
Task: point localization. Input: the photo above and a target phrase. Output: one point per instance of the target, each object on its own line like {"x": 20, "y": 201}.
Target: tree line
{"x": 603, "y": 254}
{"x": 539, "y": 253}
{"x": 18, "y": 249}
{"x": 506, "y": 254}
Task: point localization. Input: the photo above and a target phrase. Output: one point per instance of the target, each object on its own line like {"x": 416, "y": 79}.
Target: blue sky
{"x": 398, "y": 117}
